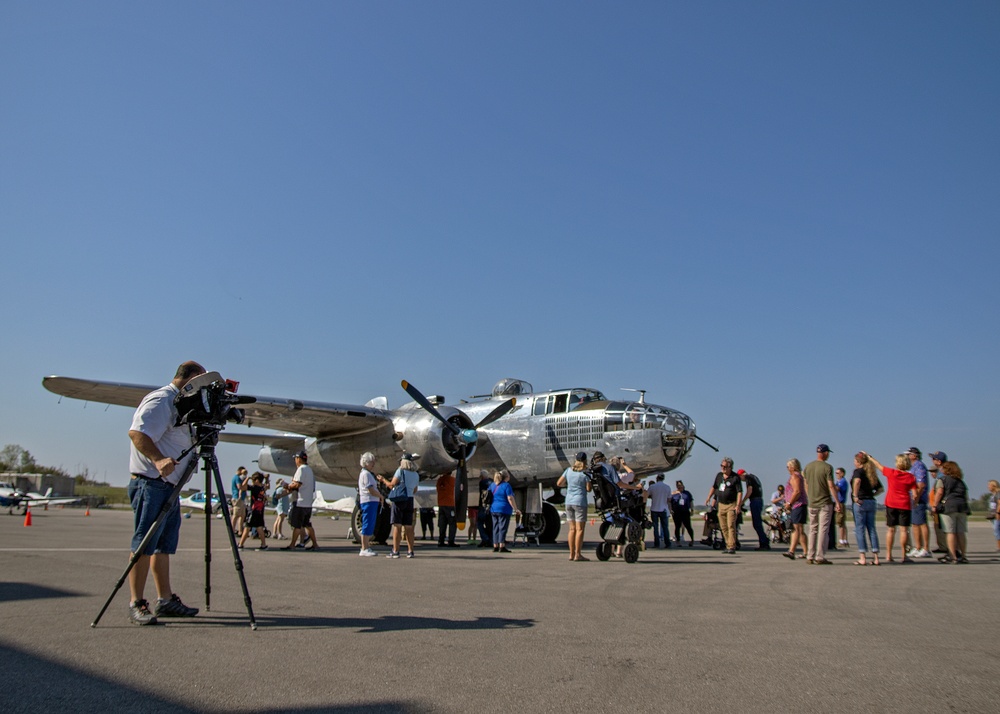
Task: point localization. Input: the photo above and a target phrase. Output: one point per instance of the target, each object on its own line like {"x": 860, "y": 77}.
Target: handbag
{"x": 399, "y": 493}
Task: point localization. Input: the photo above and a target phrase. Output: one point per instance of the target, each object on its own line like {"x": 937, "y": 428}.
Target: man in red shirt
{"x": 446, "y": 510}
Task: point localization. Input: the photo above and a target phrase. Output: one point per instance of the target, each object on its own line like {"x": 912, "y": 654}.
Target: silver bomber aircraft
{"x": 532, "y": 435}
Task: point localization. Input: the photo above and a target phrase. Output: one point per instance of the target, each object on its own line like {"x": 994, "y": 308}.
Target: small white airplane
{"x": 197, "y": 502}
{"x": 11, "y": 498}
{"x": 343, "y": 505}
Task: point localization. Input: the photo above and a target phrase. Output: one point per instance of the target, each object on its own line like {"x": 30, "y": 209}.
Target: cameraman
{"x": 157, "y": 442}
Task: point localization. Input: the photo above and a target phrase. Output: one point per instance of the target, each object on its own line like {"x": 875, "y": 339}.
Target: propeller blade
{"x": 497, "y": 413}
{"x": 422, "y": 401}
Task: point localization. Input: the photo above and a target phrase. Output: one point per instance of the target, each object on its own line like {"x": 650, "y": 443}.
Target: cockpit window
{"x": 562, "y": 400}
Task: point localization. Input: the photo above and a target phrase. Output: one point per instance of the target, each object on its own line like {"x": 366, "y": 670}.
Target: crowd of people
{"x": 811, "y": 506}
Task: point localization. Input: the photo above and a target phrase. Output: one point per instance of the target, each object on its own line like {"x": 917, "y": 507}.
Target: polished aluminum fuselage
{"x": 535, "y": 442}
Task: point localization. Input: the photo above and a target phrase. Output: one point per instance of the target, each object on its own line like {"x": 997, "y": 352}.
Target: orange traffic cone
{"x": 27, "y": 517}
{"x": 88, "y": 511}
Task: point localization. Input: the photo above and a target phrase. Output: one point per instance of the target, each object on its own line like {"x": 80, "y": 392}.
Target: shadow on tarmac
{"x": 43, "y": 685}
{"x": 9, "y": 592}
{"x": 387, "y": 623}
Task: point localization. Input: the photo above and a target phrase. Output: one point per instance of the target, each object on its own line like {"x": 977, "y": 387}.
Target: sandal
{"x": 788, "y": 554}
{"x": 860, "y": 562}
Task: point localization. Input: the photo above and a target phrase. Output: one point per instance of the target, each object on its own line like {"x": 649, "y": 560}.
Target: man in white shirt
{"x": 659, "y": 502}
{"x": 304, "y": 486}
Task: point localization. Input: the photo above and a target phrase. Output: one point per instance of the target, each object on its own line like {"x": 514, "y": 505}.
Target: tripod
{"x": 207, "y": 438}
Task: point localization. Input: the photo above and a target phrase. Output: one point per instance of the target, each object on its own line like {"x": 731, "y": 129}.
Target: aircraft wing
{"x": 314, "y": 419}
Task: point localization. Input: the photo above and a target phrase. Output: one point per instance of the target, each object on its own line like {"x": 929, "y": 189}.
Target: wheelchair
{"x": 622, "y": 522}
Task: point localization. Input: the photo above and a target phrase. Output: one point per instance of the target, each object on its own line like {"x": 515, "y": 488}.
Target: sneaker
{"x": 174, "y": 608}
{"x": 367, "y": 553}
{"x": 139, "y": 614}
{"x": 394, "y": 555}
{"x": 410, "y": 554}
{"x": 263, "y": 547}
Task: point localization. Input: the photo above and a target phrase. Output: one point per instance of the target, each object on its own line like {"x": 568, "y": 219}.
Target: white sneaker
{"x": 923, "y": 553}
{"x": 367, "y": 553}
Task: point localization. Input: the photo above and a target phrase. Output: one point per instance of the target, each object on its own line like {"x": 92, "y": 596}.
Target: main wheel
{"x": 549, "y": 530}
{"x": 604, "y": 551}
{"x": 631, "y": 553}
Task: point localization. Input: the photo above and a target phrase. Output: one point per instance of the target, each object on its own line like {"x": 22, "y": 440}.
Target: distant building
{"x": 40, "y": 483}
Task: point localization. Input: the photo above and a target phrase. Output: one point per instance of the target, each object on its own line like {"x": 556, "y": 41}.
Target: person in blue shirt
{"x": 918, "y": 509}
{"x": 843, "y": 488}
{"x": 575, "y": 480}
{"x": 239, "y": 503}
{"x": 501, "y": 509}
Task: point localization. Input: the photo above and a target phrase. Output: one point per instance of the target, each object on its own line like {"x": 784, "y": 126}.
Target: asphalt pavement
{"x": 464, "y": 630}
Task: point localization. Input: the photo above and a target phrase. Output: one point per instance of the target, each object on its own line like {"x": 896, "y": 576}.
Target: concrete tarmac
{"x": 461, "y": 630}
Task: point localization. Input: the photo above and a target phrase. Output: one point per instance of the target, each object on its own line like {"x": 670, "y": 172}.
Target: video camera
{"x": 209, "y": 399}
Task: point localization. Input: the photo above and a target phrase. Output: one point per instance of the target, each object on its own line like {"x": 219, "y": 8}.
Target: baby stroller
{"x": 618, "y": 524}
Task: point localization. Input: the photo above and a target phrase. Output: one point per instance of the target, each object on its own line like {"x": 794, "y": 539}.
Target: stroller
{"x": 620, "y": 522}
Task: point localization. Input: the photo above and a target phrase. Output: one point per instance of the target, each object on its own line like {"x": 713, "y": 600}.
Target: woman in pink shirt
{"x": 899, "y": 484}
{"x": 795, "y": 504}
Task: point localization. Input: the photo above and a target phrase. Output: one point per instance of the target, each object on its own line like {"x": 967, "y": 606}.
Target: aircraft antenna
{"x": 642, "y": 393}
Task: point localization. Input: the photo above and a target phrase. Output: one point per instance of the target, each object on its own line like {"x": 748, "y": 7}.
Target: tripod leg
{"x": 232, "y": 544}
{"x": 208, "y": 535}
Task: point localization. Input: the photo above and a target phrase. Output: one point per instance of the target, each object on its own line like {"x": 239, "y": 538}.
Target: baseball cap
{"x": 939, "y": 456}
{"x": 581, "y": 456}
{"x": 300, "y": 455}
{"x": 823, "y": 447}
{"x": 913, "y": 450}
{"x": 740, "y": 472}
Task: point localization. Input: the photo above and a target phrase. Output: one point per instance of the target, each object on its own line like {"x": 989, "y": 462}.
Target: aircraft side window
{"x": 539, "y": 408}
{"x": 561, "y": 401}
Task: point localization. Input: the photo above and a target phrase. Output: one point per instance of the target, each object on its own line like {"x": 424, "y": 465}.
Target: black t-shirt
{"x": 727, "y": 489}
{"x": 754, "y": 483}
{"x": 865, "y": 490}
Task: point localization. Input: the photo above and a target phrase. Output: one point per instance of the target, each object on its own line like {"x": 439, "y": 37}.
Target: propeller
{"x": 467, "y": 438}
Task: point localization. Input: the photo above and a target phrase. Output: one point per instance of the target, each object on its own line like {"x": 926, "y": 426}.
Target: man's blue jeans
{"x": 660, "y": 520}
{"x": 756, "y": 508}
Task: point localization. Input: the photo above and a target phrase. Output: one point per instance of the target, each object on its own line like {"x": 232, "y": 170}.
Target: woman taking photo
{"x": 864, "y": 487}
{"x": 795, "y": 504}
{"x": 576, "y": 484}
{"x": 897, "y": 502}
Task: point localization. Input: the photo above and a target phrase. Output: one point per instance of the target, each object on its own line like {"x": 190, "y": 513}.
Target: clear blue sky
{"x": 780, "y": 218}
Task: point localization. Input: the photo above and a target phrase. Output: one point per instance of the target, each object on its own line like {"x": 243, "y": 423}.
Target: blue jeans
{"x": 756, "y": 507}
{"x": 659, "y": 519}
{"x": 864, "y": 522}
{"x": 485, "y": 525}
{"x": 501, "y": 522}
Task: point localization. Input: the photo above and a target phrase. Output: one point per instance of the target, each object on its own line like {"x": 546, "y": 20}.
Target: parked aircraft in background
{"x": 11, "y": 498}
{"x": 533, "y": 435}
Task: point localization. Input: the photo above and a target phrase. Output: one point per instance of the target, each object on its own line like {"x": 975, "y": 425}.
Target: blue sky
{"x": 780, "y": 218}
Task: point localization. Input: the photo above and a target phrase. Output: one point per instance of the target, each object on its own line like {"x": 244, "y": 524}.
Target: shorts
{"x": 955, "y": 522}
{"x": 256, "y": 519}
{"x": 473, "y": 513}
{"x": 841, "y": 518}
{"x": 148, "y": 499}
{"x": 897, "y": 517}
{"x": 800, "y": 515}
{"x": 576, "y": 514}
{"x": 300, "y": 517}
{"x": 402, "y": 513}
{"x": 369, "y": 514}
{"x": 239, "y": 508}
{"x": 918, "y": 515}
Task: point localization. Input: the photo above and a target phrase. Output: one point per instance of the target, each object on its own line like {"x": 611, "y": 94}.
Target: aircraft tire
{"x": 551, "y": 525}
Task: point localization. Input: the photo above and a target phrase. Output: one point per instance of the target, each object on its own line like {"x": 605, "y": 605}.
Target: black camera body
{"x": 211, "y": 400}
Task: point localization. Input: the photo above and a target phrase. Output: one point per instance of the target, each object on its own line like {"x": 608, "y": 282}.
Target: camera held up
{"x": 210, "y": 400}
